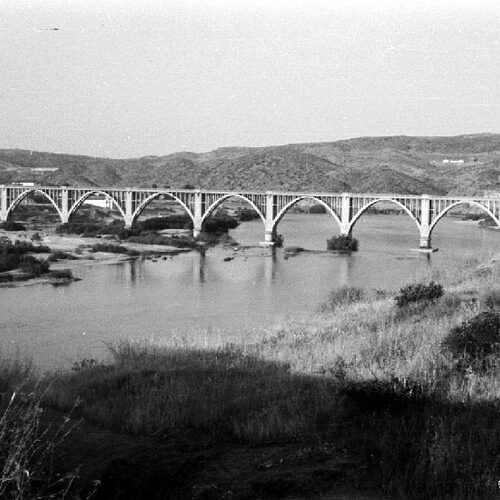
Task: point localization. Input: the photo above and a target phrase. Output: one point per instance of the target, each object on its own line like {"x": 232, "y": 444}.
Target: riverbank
{"x": 79, "y": 252}
{"x": 361, "y": 400}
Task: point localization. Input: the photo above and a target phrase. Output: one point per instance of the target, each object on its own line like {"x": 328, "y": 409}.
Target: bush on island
{"x": 342, "y": 242}
{"x": 278, "y": 240}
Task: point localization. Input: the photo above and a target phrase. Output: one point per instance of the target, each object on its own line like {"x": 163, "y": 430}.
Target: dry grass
{"x": 27, "y": 450}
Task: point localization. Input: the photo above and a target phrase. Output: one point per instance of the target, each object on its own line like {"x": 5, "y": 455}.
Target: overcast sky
{"x": 132, "y": 78}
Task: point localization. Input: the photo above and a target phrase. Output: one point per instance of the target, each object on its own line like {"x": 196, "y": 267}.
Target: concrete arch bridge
{"x": 345, "y": 208}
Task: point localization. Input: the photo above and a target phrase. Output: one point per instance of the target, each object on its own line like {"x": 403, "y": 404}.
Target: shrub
{"x": 418, "y": 292}
{"x": 317, "y": 209}
{"x": 170, "y": 222}
{"x": 62, "y": 274}
{"x": 33, "y": 266}
{"x": 246, "y": 214}
{"x": 12, "y": 226}
{"x": 13, "y": 256}
{"x": 476, "y": 337}
{"x": 22, "y": 247}
{"x": 152, "y": 238}
{"x": 59, "y": 255}
{"x": 108, "y": 247}
{"x": 342, "y": 242}
{"x": 278, "y": 240}
{"x": 491, "y": 298}
{"x": 219, "y": 224}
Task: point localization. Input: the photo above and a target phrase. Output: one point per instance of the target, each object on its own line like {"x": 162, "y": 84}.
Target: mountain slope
{"x": 397, "y": 164}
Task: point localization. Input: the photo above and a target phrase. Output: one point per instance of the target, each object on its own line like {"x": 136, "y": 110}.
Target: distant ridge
{"x": 396, "y": 164}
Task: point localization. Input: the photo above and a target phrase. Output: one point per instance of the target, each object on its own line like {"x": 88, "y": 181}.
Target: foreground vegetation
{"x": 393, "y": 396}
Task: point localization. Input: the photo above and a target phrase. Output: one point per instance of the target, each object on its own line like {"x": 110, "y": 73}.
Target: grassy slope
{"x": 360, "y": 398}
{"x": 383, "y": 164}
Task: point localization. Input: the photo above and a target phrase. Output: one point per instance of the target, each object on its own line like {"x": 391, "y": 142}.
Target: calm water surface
{"x": 194, "y": 296}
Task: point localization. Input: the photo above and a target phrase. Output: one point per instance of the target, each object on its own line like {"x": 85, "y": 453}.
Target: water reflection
{"x": 199, "y": 262}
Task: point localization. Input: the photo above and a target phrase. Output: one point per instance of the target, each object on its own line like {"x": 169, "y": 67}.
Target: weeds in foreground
{"x": 342, "y": 296}
{"x": 27, "y": 450}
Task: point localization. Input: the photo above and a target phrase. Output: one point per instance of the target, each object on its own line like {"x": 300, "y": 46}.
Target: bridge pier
{"x": 269, "y": 232}
{"x": 64, "y": 217}
{"x": 4, "y": 209}
{"x": 197, "y": 226}
{"x": 425, "y": 227}
{"x": 129, "y": 220}
{"x": 425, "y": 243}
{"x": 345, "y": 215}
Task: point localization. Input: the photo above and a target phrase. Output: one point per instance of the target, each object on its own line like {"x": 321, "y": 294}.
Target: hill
{"x": 466, "y": 164}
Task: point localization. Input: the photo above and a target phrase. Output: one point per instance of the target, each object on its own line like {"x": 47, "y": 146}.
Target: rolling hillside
{"x": 369, "y": 164}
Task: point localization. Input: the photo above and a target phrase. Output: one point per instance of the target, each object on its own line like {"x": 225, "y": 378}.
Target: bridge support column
{"x": 3, "y": 204}
{"x": 425, "y": 224}
{"x": 197, "y": 226}
{"x": 269, "y": 225}
{"x": 64, "y": 214}
{"x": 129, "y": 209}
{"x": 198, "y": 214}
{"x": 345, "y": 215}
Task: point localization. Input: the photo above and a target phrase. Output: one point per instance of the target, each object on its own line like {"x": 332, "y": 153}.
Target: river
{"x": 205, "y": 299}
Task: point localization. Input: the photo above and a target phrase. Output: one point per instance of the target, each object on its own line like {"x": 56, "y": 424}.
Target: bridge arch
{"x": 462, "y": 202}
{"x": 151, "y": 198}
{"x": 80, "y": 201}
{"x": 361, "y": 211}
{"x": 27, "y": 193}
{"x": 289, "y": 205}
{"x": 211, "y": 209}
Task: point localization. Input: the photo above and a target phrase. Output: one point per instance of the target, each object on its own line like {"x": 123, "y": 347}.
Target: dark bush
{"x": 170, "y": 222}
{"x": 278, "y": 240}
{"x": 13, "y": 254}
{"x": 418, "y": 292}
{"x": 152, "y": 238}
{"x": 246, "y": 214}
{"x": 79, "y": 228}
{"x": 111, "y": 248}
{"x": 32, "y": 266}
{"x": 317, "y": 209}
{"x": 476, "y": 337}
{"x": 22, "y": 247}
{"x": 12, "y": 226}
{"x": 342, "y": 243}
{"x": 219, "y": 224}
{"x": 62, "y": 274}
{"x": 491, "y": 298}
{"x": 59, "y": 255}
